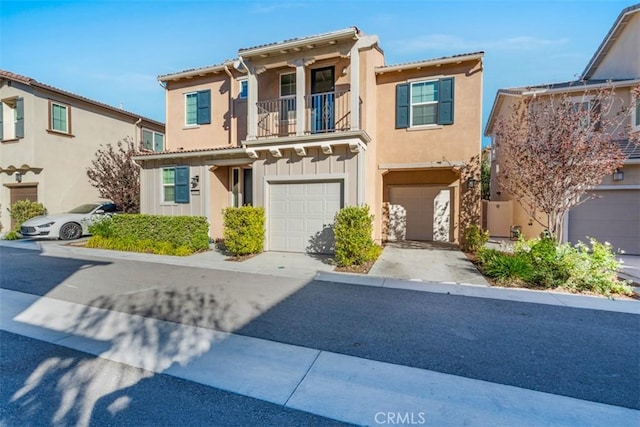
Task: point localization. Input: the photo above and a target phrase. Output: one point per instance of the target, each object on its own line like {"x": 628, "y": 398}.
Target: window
{"x": 288, "y": 93}
{"x": 581, "y": 109}
{"x": 175, "y": 184}
{"x": 244, "y": 89}
{"x": 198, "y": 108}
{"x": 152, "y": 141}
{"x": 423, "y": 103}
{"x": 287, "y": 85}
{"x": 636, "y": 116}
{"x": 59, "y": 118}
{"x": 12, "y": 119}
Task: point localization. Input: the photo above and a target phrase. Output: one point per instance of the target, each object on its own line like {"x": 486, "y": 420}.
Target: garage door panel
{"x": 300, "y": 214}
{"x": 613, "y": 217}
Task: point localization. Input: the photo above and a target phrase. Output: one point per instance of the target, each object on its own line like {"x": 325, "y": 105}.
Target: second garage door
{"x": 612, "y": 217}
{"x": 301, "y": 216}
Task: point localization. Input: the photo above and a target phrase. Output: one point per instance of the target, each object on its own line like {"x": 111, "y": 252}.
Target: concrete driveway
{"x": 427, "y": 262}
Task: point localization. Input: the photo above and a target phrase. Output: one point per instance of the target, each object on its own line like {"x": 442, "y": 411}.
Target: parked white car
{"x": 69, "y": 225}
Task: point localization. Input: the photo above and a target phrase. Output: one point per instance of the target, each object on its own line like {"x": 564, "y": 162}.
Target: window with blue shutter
{"x": 204, "y": 107}
{"x": 402, "y": 106}
{"x": 182, "y": 184}
{"x": 427, "y": 102}
{"x": 20, "y": 118}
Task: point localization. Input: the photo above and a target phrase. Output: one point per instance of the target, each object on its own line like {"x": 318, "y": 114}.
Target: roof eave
{"x": 344, "y": 34}
{"x": 429, "y": 63}
{"x": 200, "y": 72}
{"x": 188, "y": 154}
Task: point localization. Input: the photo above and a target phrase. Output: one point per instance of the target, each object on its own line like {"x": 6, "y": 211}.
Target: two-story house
{"x": 612, "y": 213}
{"x": 306, "y": 126}
{"x": 49, "y": 138}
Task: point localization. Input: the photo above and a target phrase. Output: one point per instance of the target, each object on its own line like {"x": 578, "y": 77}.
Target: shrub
{"x": 474, "y": 238}
{"x": 189, "y": 231}
{"x": 244, "y": 230}
{"x": 144, "y": 246}
{"x": 23, "y": 210}
{"x": 545, "y": 257}
{"x": 11, "y": 235}
{"x": 353, "y": 228}
{"x": 103, "y": 227}
{"x": 504, "y": 266}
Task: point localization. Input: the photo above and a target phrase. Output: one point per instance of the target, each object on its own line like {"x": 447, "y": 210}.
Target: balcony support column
{"x": 252, "y": 103}
{"x": 354, "y": 66}
{"x": 300, "y": 90}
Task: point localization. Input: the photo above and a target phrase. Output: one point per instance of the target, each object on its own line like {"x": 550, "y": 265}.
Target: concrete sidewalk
{"x": 332, "y": 385}
{"x": 320, "y": 267}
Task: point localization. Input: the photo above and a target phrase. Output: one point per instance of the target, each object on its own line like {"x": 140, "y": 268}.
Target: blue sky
{"x": 112, "y": 51}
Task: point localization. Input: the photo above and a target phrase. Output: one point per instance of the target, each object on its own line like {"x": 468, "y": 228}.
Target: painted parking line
{"x": 333, "y": 385}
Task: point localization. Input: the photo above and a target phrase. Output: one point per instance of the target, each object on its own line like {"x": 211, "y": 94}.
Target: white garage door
{"x": 301, "y": 216}
{"x": 427, "y": 213}
{"x": 614, "y": 217}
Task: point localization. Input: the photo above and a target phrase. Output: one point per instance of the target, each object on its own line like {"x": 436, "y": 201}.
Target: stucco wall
{"x": 619, "y": 63}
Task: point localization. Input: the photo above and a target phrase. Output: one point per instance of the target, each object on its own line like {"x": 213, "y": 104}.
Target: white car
{"x": 69, "y": 225}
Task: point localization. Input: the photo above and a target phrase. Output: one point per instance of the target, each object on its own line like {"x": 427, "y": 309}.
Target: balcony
{"x": 323, "y": 113}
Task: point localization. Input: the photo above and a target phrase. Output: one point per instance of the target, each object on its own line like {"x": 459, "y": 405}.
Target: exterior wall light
{"x": 471, "y": 182}
{"x": 18, "y": 177}
{"x": 618, "y": 175}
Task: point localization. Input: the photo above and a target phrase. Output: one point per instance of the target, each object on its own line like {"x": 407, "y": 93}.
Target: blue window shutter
{"x": 182, "y": 184}
{"x": 402, "y": 106}
{"x": 445, "y": 101}
{"x": 20, "y": 118}
{"x": 204, "y": 107}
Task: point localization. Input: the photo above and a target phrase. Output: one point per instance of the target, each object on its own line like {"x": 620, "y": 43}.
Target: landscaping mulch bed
{"x": 240, "y": 258}
{"x": 360, "y": 269}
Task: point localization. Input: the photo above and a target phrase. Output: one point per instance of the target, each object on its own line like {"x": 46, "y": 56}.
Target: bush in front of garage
{"x": 353, "y": 229}
{"x": 21, "y": 211}
{"x": 244, "y": 230}
{"x": 158, "y": 234}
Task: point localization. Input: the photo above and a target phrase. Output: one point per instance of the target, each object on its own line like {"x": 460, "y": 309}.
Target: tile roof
{"x": 432, "y": 60}
{"x": 191, "y": 151}
{"x": 300, "y": 39}
{"x": 33, "y": 82}
{"x": 629, "y": 148}
{"x": 205, "y": 69}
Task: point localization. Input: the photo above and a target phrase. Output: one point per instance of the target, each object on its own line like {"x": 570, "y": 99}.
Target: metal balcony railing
{"x": 324, "y": 112}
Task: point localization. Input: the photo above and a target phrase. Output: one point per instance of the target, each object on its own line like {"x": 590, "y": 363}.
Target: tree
{"x": 485, "y": 180}
{"x": 554, "y": 148}
{"x": 116, "y": 175}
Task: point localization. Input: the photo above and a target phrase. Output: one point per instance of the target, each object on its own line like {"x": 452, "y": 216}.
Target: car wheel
{"x": 70, "y": 231}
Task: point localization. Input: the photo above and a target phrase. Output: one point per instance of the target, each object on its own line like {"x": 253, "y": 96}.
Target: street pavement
{"x": 347, "y": 352}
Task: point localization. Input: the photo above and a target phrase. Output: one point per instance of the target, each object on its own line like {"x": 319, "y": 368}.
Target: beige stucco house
{"x": 48, "y": 139}
{"x": 614, "y": 214}
{"x": 304, "y": 127}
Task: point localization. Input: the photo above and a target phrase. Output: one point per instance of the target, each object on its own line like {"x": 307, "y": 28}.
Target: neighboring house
{"x": 307, "y": 126}
{"x": 48, "y": 139}
{"x": 614, "y": 215}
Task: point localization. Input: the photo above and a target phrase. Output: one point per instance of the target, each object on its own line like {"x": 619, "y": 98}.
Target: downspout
{"x": 231, "y": 112}
{"x": 136, "y": 138}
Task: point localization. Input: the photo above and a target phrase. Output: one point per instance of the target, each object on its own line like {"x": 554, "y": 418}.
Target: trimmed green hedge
{"x": 244, "y": 230}
{"x": 190, "y": 232}
{"x": 353, "y": 229}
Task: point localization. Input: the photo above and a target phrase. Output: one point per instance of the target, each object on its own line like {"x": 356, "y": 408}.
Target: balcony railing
{"x": 323, "y": 112}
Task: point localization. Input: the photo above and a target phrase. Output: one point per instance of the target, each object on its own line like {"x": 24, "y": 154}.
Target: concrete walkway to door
{"x": 427, "y": 262}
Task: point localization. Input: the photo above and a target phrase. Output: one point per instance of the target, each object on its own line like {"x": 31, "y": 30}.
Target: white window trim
{"x": 190, "y": 125}
{"x": 162, "y": 186}
{"x": 635, "y": 124}
{"x": 411, "y": 104}
{"x": 67, "y": 110}
{"x": 9, "y": 133}
{"x": 153, "y": 137}
{"x": 280, "y": 85}
{"x": 242, "y": 80}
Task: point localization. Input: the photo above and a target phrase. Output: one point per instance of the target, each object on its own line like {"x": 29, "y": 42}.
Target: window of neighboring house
{"x": 175, "y": 184}
{"x": 12, "y": 119}
{"x": 198, "y": 108}
{"x": 153, "y": 141}
{"x": 424, "y": 103}
{"x": 636, "y": 116}
{"x": 582, "y": 109}
{"x": 244, "y": 88}
{"x": 288, "y": 96}
{"x": 59, "y": 117}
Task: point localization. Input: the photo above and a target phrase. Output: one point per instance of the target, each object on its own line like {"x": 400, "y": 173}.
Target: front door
{"x": 322, "y": 100}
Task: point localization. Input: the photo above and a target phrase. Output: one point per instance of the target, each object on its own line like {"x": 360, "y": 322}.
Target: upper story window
{"x": 153, "y": 141}
{"x": 582, "y": 111}
{"x": 12, "y": 119}
{"x": 198, "y": 108}
{"x": 636, "y": 116}
{"x": 244, "y": 89}
{"x": 424, "y": 103}
{"x": 59, "y": 117}
{"x": 287, "y": 85}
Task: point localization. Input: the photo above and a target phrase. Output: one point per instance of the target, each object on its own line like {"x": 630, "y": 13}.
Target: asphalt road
{"x": 43, "y": 384}
{"x": 587, "y": 354}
